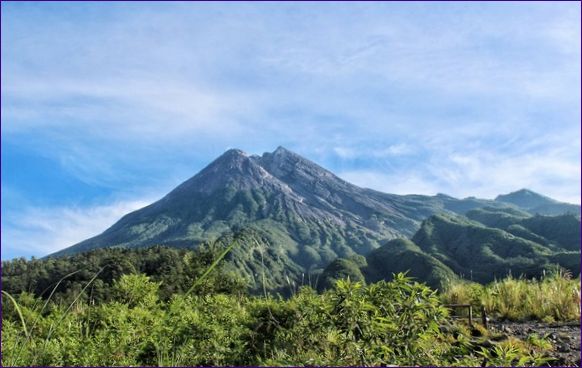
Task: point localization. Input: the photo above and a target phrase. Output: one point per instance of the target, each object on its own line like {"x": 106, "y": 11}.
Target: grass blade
{"x": 213, "y": 265}
{"x": 74, "y": 301}
{"x": 17, "y": 307}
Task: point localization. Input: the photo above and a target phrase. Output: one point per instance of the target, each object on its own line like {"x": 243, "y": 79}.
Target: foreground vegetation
{"x": 399, "y": 322}
{"x": 556, "y": 297}
{"x": 169, "y": 307}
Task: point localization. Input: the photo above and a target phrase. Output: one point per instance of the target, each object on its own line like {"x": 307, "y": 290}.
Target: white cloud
{"x": 396, "y": 183}
{"x": 466, "y": 100}
{"x": 488, "y": 174}
{"x": 398, "y": 149}
{"x": 345, "y": 152}
{"x": 480, "y": 173}
{"x": 329, "y": 63}
{"x": 41, "y": 231}
{"x": 127, "y": 106}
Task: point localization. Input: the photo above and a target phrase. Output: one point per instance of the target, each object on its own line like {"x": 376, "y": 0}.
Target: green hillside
{"x": 453, "y": 247}
{"x": 482, "y": 253}
{"x": 536, "y": 203}
{"x": 497, "y": 217}
{"x": 402, "y": 255}
{"x": 561, "y": 231}
{"x": 304, "y": 218}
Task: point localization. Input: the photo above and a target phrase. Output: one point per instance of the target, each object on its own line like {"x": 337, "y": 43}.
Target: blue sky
{"x": 108, "y": 106}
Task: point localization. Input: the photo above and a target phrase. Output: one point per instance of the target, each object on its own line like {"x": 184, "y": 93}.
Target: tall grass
{"x": 18, "y": 311}
{"x": 28, "y": 343}
{"x": 554, "y": 297}
{"x": 215, "y": 263}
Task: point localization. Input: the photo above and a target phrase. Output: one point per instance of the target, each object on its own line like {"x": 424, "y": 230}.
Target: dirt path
{"x": 565, "y": 337}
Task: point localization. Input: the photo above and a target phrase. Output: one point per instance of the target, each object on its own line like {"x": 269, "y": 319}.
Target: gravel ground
{"x": 565, "y": 337}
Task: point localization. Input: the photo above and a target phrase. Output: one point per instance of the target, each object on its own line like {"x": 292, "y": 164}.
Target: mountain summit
{"x": 279, "y": 191}
{"x": 305, "y": 214}
{"x": 537, "y": 203}
{"x": 234, "y": 169}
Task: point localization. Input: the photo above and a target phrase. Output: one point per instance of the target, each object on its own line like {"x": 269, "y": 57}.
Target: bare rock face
{"x": 234, "y": 169}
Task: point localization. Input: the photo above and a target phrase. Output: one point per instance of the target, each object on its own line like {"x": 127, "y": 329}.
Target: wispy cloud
{"x": 396, "y": 183}
{"x": 41, "y": 231}
{"x": 482, "y": 173}
{"x": 428, "y": 97}
{"x": 399, "y": 149}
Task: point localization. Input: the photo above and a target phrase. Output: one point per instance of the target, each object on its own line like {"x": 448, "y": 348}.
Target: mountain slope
{"x": 448, "y": 247}
{"x": 306, "y": 216}
{"x": 561, "y": 231}
{"x": 483, "y": 253}
{"x": 536, "y": 203}
{"x": 402, "y": 255}
{"x": 316, "y": 208}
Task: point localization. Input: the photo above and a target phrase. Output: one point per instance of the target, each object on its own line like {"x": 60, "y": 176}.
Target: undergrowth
{"x": 555, "y": 297}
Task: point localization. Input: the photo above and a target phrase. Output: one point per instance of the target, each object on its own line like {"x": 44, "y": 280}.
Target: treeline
{"x": 90, "y": 277}
{"x": 182, "y": 307}
{"x": 175, "y": 269}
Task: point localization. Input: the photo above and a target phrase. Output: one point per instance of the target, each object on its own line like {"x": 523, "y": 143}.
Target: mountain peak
{"x": 283, "y": 163}
{"x": 234, "y": 152}
{"x": 525, "y": 191}
{"x": 522, "y": 193}
{"x": 526, "y": 198}
{"x": 537, "y": 203}
{"x": 232, "y": 159}
{"x": 282, "y": 153}
{"x": 234, "y": 169}
{"x": 281, "y": 150}
{"x": 298, "y": 202}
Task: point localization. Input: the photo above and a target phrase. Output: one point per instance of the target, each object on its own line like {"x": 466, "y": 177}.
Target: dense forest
{"x": 167, "y": 306}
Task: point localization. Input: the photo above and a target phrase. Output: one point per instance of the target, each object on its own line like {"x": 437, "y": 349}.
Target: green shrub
{"x": 556, "y": 297}
{"x": 398, "y": 322}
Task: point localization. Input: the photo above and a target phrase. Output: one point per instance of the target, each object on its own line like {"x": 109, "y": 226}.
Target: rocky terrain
{"x": 564, "y": 337}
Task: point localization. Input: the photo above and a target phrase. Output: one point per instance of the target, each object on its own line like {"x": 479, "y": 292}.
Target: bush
{"x": 556, "y": 297}
{"x": 384, "y": 323}
{"x": 398, "y": 322}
